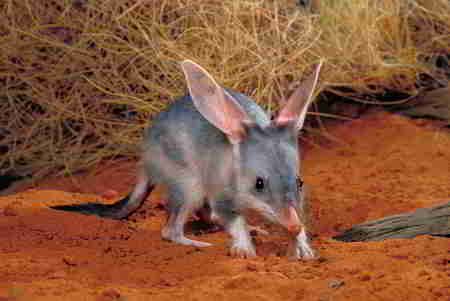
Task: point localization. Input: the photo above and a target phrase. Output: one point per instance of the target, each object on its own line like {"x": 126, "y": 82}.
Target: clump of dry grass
{"x": 79, "y": 79}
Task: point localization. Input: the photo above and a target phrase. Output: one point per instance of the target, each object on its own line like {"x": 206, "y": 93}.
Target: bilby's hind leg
{"x": 184, "y": 200}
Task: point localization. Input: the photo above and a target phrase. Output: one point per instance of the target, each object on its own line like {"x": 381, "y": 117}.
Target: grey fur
{"x": 210, "y": 149}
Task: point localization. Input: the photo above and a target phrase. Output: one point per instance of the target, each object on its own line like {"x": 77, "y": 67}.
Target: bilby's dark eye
{"x": 259, "y": 185}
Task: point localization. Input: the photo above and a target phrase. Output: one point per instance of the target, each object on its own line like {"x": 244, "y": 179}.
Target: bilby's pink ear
{"x": 214, "y": 103}
{"x": 297, "y": 105}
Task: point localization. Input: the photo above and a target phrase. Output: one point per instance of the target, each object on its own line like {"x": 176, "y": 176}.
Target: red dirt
{"x": 383, "y": 165}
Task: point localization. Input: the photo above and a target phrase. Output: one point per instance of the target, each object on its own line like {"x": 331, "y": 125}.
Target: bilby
{"x": 217, "y": 148}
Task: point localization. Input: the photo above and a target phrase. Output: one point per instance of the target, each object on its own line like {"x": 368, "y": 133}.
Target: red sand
{"x": 385, "y": 164}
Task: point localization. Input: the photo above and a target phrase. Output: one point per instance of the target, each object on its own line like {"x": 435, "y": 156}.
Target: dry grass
{"x": 79, "y": 79}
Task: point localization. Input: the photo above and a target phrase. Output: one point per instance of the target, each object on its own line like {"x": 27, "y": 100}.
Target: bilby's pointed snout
{"x": 290, "y": 220}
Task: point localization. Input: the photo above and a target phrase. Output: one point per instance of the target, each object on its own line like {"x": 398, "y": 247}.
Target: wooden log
{"x": 431, "y": 221}
{"x": 433, "y": 104}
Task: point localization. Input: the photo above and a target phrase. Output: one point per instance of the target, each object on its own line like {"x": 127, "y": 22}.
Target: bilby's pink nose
{"x": 289, "y": 219}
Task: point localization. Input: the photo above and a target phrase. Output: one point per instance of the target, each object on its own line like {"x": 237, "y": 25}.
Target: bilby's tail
{"x": 118, "y": 210}
{"x": 432, "y": 221}
{"x": 115, "y": 210}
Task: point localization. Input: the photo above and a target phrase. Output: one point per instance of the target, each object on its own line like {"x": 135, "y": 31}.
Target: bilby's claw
{"x": 300, "y": 248}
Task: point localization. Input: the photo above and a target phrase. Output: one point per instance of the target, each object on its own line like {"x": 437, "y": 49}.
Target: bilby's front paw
{"x": 242, "y": 250}
{"x": 241, "y": 245}
{"x": 300, "y": 248}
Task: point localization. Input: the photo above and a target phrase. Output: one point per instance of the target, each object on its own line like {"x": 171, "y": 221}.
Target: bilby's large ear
{"x": 214, "y": 103}
{"x": 295, "y": 110}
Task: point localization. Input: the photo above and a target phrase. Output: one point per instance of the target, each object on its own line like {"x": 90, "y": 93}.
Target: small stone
{"x": 69, "y": 261}
{"x": 423, "y": 273}
{"x": 441, "y": 261}
{"x": 365, "y": 277}
{"x": 336, "y": 283}
{"x": 109, "y": 294}
{"x": 321, "y": 259}
{"x": 252, "y": 267}
{"x": 110, "y": 194}
{"x": 10, "y": 210}
{"x": 167, "y": 283}
{"x": 438, "y": 293}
